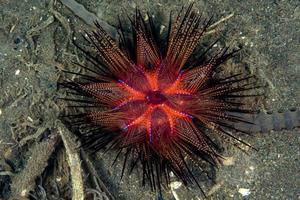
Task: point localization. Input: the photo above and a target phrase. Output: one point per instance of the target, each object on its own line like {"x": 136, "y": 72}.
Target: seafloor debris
{"x": 73, "y": 161}
{"x": 24, "y": 181}
{"x": 88, "y": 17}
{"x": 265, "y": 122}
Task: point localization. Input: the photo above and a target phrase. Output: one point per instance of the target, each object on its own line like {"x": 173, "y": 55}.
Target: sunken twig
{"x": 97, "y": 182}
{"x": 73, "y": 161}
{"x": 24, "y": 181}
{"x": 88, "y": 17}
{"x": 212, "y": 28}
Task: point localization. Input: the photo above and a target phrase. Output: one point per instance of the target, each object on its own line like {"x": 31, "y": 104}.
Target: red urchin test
{"x": 156, "y": 99}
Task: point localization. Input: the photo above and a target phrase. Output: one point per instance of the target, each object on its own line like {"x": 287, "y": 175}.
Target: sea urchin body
{"x": 151, "y": 100}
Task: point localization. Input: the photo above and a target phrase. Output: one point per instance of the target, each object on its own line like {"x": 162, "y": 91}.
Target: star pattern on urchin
{"x": 152, "y": 99}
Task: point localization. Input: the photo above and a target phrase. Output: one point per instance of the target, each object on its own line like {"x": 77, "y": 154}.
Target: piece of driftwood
{"x": 73, "y": 161}
{"x": 24, "y": 181}
{"x": 88, "y": 17}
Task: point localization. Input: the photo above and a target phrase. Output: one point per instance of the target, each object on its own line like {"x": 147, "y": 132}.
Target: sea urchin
{"x": 154, "y": 99}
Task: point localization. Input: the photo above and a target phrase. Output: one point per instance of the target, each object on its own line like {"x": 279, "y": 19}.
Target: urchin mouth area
{"x": 155, "y": 97}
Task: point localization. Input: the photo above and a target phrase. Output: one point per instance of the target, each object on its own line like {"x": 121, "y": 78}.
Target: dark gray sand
{"x": 35, "y": 46}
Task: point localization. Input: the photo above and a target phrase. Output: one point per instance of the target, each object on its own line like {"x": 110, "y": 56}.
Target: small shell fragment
{"x": 244, "y": 191}
{"x": 175, "y": 185}
{"x": 229, "y": 161}
{"x": 17, "y": 72}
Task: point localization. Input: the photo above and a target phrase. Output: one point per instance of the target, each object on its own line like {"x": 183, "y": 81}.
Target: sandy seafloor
{"x": 34, "y": 49}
